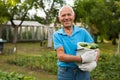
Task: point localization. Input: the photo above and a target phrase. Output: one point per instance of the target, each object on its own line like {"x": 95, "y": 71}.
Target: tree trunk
{"x": 15, "y": 38}
{"x": 50, "y": 33}
{"x": 15, "y": 34}
{"x": 118, "y": 48}
{"x": 0, "y": 32}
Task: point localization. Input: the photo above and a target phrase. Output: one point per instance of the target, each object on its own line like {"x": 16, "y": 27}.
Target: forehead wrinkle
{"x": 65, "y": 7}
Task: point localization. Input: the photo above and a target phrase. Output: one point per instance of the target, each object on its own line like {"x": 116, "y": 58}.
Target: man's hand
{"x": 89, "y": 56}
{"x": 88, "y": 66}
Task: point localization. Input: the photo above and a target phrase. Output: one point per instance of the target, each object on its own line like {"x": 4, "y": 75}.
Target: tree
{"x": 103, "y": 14}
{"x": 87, "y": 13}
{"x": 16, "y": 10}
{"x": 49, "y": 7}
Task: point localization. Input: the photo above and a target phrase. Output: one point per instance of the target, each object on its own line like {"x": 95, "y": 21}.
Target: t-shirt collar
{"x": 75, "y": 29}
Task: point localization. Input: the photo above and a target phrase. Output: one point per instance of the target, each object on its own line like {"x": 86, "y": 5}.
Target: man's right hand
{"x": 89, "y": 56}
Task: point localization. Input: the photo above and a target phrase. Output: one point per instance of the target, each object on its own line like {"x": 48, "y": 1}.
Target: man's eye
{"x": 63, "y": 15}
{"x": 69, "y": 14}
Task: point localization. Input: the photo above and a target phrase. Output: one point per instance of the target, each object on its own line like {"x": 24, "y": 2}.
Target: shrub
{"x": 44, "y": 62}
{"x": 14, "y": 76}
{"x": 107, "y": 68}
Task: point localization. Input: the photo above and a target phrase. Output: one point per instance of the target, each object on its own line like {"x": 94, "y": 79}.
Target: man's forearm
{"x": 69, "y": 58}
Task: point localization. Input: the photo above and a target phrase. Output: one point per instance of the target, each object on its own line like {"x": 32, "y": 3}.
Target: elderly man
{"x": 65, "y": 43}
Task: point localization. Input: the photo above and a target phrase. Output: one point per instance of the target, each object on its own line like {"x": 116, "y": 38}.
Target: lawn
{"x": 31, "y": 49}
{"x": 34, "y": 49}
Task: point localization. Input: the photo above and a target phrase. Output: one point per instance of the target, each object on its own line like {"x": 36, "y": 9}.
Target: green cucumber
{"x": 89, "y": 45}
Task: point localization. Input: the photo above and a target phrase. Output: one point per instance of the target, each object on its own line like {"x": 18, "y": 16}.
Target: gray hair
{"x": 66, "y": 6}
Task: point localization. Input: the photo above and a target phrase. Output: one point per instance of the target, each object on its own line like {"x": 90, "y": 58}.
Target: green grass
{"x": 31, "y": 49}
{"x": 34, "y": 49}
{"x": 108, "y": 48}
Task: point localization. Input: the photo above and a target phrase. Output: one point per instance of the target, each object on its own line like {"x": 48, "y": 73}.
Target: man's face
{"x": 66, "y": 17}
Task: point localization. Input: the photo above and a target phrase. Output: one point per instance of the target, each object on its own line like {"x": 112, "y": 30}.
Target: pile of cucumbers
{"x": 88, "y": 45}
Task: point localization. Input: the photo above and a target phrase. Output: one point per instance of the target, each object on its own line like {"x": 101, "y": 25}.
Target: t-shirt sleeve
{"x": 57, "y": 41}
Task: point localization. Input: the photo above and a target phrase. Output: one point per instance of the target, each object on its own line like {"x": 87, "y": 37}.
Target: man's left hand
{"x": 88, "y": 66}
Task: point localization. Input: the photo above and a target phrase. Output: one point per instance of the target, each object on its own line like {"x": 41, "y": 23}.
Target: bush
{"x": 14, "y": 76}
{"x": 107, "y": 68}
{"x": 44, "y": 62}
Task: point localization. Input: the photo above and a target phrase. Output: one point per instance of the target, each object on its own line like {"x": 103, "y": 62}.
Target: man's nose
{"x": 66, "y": 17}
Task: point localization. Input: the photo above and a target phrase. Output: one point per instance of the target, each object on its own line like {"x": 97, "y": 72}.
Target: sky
{"x": 70, "y": 2}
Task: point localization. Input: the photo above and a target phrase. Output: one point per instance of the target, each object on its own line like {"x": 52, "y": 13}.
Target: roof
{"x": 25, "y": 23}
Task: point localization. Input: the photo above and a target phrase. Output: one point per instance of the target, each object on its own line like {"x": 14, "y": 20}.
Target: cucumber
{"x": 89, "y": 45}
{"x": 83, "y": 44}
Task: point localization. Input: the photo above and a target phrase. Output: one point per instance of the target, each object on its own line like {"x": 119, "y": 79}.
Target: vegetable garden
{"x": 34, "y": 57}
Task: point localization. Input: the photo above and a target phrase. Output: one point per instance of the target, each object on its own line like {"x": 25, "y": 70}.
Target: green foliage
{"x": 12, "y": 2}
{"x": 14, "y": 76}
{"x": 104, "y": 14}
{"x": 3, "y": 13}
{"x": 44, "y": 62}
{"x": 107, "y": 68}
{"x": 29, "y": 56}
